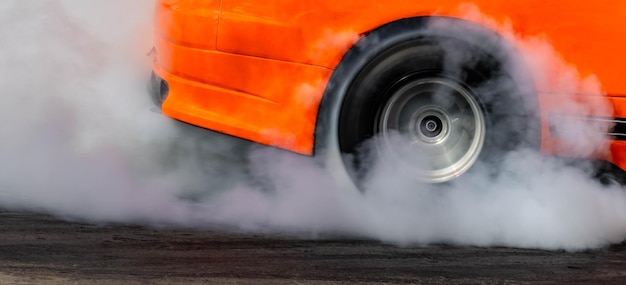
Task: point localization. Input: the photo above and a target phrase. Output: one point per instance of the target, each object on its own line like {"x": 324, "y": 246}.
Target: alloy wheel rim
{"x": 432, "y": 128}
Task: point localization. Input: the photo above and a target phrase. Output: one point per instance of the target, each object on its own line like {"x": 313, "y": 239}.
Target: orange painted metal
{"x": 318, "y": 32}
{"x": 258, "y": 69}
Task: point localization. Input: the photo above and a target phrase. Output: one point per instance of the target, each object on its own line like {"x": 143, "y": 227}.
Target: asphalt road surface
{"x": 44, "y": 250}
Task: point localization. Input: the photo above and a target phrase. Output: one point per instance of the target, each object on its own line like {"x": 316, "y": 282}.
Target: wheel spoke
{"x": 464, "y": 122}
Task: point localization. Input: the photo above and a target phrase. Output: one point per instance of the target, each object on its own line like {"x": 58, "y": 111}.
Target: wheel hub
{"x": 431, "y": 125}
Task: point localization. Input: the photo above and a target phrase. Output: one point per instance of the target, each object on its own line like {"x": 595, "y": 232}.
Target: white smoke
{"x": 79, "y": 141}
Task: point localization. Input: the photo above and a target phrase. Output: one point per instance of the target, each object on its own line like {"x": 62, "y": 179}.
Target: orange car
{"x": 437, "y": 86}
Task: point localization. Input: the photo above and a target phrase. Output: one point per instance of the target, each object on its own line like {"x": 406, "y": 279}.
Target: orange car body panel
{"x": 258, "y": 69}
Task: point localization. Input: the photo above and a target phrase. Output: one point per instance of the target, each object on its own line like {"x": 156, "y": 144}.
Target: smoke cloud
{"x": 79, "y": 141}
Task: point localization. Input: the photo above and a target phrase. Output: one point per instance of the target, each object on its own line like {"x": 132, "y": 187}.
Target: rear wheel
{"x": 431, "y": 106}
{"x": 433, "y": 99}
{"x": 431, "y": 114}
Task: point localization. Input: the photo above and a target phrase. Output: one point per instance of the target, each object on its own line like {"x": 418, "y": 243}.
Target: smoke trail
{"x": 79, "y": 141}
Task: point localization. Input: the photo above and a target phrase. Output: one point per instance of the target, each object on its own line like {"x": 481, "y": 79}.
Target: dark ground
{"x": 45, "y": 250}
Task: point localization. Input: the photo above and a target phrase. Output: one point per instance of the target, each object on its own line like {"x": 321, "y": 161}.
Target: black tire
{"x": 412, "y": 56}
